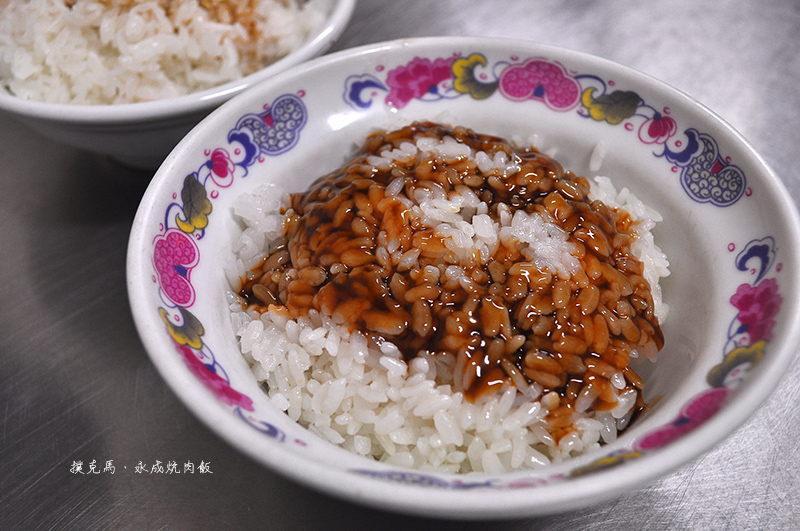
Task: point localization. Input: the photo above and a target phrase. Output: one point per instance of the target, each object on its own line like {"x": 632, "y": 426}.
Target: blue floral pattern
{"x": 272, "y": 132}
{"x": 706, "y": 176}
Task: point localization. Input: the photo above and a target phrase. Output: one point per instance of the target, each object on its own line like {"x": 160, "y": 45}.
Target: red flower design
{"x": 174, "y": 256}
{"x": 758, "y": 305}
{"x": 218, "y": 385}
{"x": 657, "y": 129}
{"x": 221, "y": 163}
{"x": 540, "y": 80}
{"x": 416, "y": 79}
{"x": 692, "y": 415}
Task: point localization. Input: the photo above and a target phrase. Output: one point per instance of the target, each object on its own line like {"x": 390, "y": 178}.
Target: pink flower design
{"x": 221, "y": 164}
{"x": 657, "y": 129}
{"x": 416, "y": 79}
{"x": 541, "y": 80}
{"x": 218, "y": 385}
{"x": 174, "y": 256}
{"x": 692, "y": 415}
{"x": 758, "y": 305}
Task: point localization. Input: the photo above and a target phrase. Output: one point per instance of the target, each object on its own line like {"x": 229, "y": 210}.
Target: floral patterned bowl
{"x": 730, "y": 232}
{"x": 141, "y": 135}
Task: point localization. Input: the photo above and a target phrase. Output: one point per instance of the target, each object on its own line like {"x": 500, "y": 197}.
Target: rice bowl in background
{"x": 133, "y": 91}
{"x": 728, "y": 229}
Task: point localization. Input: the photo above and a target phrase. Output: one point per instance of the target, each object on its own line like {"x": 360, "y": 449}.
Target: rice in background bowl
{"x": 724, "y": 244}
{"x": 97, "y": 52}
{"x": 129, "y": 78}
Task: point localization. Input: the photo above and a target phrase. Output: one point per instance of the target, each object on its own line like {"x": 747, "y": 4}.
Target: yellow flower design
{"x": 465, "y": 80}
{"x": 735, "y": 358}
{"x": 605, "y": 462}
{"x": 189, "y": 333}
{"x": 612, "y": 108}
{"x": 196, "y": 206}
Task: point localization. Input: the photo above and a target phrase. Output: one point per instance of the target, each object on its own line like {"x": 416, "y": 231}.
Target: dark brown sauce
{"x": 511, "y": 316}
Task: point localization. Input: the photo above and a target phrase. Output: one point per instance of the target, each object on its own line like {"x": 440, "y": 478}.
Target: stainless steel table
{"x": 76, "y": 384}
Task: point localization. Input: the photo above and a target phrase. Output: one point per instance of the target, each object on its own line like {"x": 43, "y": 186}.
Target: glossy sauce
{"x": 509, "y": 321}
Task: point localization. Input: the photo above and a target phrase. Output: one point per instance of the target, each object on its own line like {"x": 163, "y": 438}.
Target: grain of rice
{"x": 123, "y": 51}
{"x": 373, "y": 398}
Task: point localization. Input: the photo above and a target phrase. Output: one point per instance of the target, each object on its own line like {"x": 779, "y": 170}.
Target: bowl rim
{"x": 142, "y": 112}
{"x": 464, "y": 504}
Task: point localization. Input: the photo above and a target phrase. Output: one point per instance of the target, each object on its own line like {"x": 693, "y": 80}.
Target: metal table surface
{"x": 77, "y": 385}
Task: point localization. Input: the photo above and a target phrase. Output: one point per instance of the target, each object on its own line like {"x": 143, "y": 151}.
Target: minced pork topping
{"x": 463, "y": 245}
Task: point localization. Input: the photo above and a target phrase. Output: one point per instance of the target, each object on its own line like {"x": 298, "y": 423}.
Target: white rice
{"x": 644, "y": 248}
{"x": 124, "y": 51}
{"x": 365, "y": 398}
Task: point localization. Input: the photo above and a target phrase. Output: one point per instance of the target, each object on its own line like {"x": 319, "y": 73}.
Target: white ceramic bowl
{"x": 142, "y": 134}
{"x": 729, "y": 230}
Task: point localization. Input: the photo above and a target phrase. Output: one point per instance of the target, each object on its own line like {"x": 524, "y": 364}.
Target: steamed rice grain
{"x": 125, "y": 51}
{"x": 363, "y": 391}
